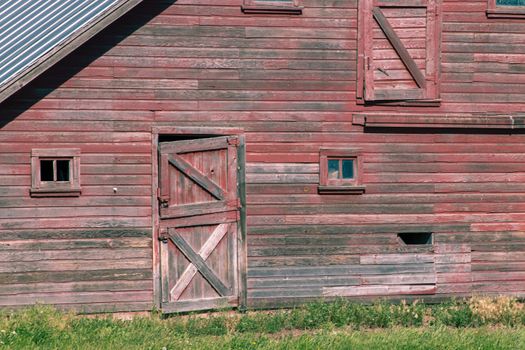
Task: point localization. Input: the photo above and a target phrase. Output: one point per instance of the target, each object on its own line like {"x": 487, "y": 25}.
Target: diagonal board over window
{"x": 398, "y": 50}
{"x": 199, "y": 220}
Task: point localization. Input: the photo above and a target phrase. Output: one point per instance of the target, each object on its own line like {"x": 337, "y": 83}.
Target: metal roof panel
{"x": 32, "y": 29}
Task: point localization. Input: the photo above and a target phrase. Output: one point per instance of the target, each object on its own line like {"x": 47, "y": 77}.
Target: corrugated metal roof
{"x": 30, "y": 29}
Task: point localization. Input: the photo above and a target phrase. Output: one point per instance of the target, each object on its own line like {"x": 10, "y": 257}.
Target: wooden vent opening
{"x": 416, "y": 238}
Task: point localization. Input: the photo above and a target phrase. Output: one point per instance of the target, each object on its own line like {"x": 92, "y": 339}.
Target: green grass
{"x": 481, "y": 323}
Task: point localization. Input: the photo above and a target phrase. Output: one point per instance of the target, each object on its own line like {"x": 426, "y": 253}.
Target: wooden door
{"x": 399, "y": 49}
{"x": 199, "y": 220}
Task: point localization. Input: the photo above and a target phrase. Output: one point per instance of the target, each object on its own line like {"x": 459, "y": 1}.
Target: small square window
{"x": 284, "y": 7}
{"x": 55, "y": 172}
{"x": 339, "y": 171}
{"x": 506, "y": 9}
{"x": 341, "y": 168}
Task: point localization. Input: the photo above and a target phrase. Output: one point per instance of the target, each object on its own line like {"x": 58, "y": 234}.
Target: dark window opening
{"x": 62, "y": 170}
{"x": 55, "y": 170}
{"x": 333, "y": 169}
{"x": 183, "y": 137}
{"x": 46, "y": 170}
{"x": 341, "y": 168}
{"x": 510, "y": 2}
{"x": 416, "y": 238}
{"x": 284, "y": 7}
{"x": 347, "y": 168}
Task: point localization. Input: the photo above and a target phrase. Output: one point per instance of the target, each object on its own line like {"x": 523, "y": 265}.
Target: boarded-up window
{"x": 398, "y": 50}
{"x": 506, "y": 9}
{"x": 285, "y": 7}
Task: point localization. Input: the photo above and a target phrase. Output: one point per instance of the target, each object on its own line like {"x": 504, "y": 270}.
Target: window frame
{"x": 340, "y": 186}
{"x": 55, "y": 188}
{"x": 290, "y": 7}
{"x": 503, "y": 11}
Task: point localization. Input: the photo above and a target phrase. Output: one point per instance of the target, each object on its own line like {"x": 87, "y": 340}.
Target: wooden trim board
{"x": 483, "y": 121}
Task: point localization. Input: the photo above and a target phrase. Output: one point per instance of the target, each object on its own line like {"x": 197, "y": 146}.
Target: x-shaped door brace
{"x": 198, "y": 263}
{"x": 398, "y": 46}
{"x": 194, "y": 174}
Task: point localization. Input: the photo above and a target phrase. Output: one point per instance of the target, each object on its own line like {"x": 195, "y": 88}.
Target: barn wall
{"x": 290, "y": 82}
{"x": 92, "y": 252}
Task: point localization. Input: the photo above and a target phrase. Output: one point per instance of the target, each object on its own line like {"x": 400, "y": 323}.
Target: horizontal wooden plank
{"x": 277, "y": 293}
{"x": 399, "y": 279}
{"x": 110, "y": 274}
{"x": 314, "y": 250}
{"x": 65, "y": 265}
{"x": 79, "y": 254}
{"x": 202, "y": 304}
{"x": 67, "y": 223}
{"x": 340, "y": 270}
{"x": 355, "y": 229}
{"x": 42, "y": 234}
{"x": 380, "y": 290}
{"x": 303, "y": 282}
{"x": 96, "y": 308}
{"x": 301, "y": 260}
{"x": 75, "y": 297}
{"x": 386, "y": 259}
{"x": 74, "y": 287}
{"x": 67, "y": 244}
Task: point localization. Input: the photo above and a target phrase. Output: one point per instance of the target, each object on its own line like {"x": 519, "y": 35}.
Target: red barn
{"x": 197, "y": 154}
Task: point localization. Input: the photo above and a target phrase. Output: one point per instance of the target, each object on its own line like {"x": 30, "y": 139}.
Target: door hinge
{"x": 163, "y": 201}
{"x": 163, "y": 236}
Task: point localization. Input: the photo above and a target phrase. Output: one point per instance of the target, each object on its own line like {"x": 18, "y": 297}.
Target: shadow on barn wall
{"x": 80, "y": 58}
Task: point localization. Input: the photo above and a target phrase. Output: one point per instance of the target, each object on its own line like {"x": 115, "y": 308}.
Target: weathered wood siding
{"x": 290, "y": 82}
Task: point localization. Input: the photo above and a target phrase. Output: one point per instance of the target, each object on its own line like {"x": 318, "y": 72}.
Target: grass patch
{"x": 480, "y": 323}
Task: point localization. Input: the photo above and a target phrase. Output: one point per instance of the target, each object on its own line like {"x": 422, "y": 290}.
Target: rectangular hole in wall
{"x": 416, "y": 238}
{"x": 46, "y": 170}
{"x": 62, "y": 170}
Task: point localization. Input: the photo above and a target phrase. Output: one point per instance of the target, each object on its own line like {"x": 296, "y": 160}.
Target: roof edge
{"x": 62, "y": 50}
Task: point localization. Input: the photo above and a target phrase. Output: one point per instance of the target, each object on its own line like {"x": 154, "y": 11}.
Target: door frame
{"x": 242, "y": 257}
